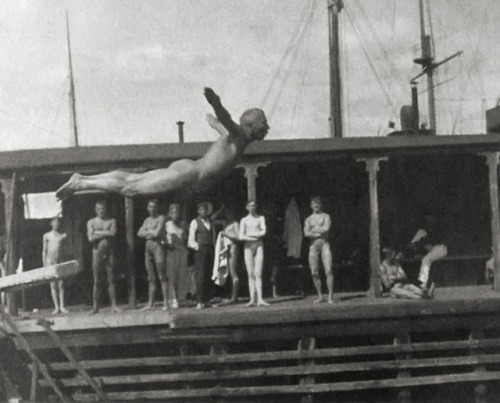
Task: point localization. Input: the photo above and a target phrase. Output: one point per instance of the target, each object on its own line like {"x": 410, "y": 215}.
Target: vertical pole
{"x": 11, "y": 223}
{"x": 334, "y": 8}
{"x": 34, "y": 381}
{"x": 180, "y": 127}
{"x": 130, "y": 235}
{"x": 492, "y": 161}
{"x": 481, "y": 389}
{"x": 71, "y": 95}
{"x": 404, "y": 395}
{"x": 372, "y": 166}
{"x": 307, "y": 344}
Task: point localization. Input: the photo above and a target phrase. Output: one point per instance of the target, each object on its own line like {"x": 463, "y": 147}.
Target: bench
{"x": 450, "y": 270}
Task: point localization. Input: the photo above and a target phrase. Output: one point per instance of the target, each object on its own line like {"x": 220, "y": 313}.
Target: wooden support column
{"x": 492, "y": 161}
{"x": 372, "y": 166}
{"x": 404, "y": 395}
{"x": 34, "y": 382}
{"x": 11, "y": 226}
{"x": 218, "y": 348}
{"x": 481, "y": 390}
{"x": 130, "y": 235}
{"x": 307, "y": 345}
{"x": 251, "y": 173}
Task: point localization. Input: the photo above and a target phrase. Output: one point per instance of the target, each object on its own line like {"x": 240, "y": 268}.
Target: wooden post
{"x": 130, "y": 235}
{"x": 34, "y": 382}
{"x": 372, "y": 166}
{"x": 251, "y": 173}
{"x": 11, "y": 226}
{"x": 481, "y": 389}
{"x": 404, "y": 395}
{"x": 307, "y": 344}
{"x": 492, "y": 161}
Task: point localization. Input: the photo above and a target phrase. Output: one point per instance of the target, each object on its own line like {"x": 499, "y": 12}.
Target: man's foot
{"x": 55, "y": 311}
{"x": 263, "y": 303}
{"x": 431, "y": 291}
{"x": 69, "y": 187}
{"x": 115, "y": 309}
{"x": 147, "y": 307}
{"x": 200, "y": 306}
{"x": 94, "y": 311}
{"x": 174, "y": 304}
{"x": 63, "y": 310}
{"x": 251, "y": 303}
{"x": 165, "y": 308}
{"x": 319, "y": 300}
{"x": 331, "y": 300}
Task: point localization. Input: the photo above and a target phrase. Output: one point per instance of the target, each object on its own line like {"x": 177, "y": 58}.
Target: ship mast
{"x": 428, "y": 66}
{"x": 334, "y": 8}
{"x": 71, "y": 94}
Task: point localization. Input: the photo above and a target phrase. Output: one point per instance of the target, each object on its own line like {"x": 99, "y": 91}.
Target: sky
{"x": 141, "y": 66}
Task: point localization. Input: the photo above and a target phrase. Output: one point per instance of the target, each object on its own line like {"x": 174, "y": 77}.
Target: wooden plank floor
{"x": 348, "y": 306}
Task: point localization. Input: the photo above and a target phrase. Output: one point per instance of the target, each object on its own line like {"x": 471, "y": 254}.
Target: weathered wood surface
{"x": 279, "y": 355}
{"x": 297, "y": 389}
{"x": 40, "y": 276}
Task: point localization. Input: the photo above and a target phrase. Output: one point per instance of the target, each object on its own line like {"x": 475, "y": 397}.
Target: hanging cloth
{"x": 221, "y": 268}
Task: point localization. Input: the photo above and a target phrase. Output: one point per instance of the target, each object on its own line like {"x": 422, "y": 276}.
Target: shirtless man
{"x": 316, "y": 228}
{"x": 252, "y": 231}
{"x": 53, "y": 247}
{"x": 101, "y": 231}
{"x": 152, "y": 231}
{"x": 185, "y": 174}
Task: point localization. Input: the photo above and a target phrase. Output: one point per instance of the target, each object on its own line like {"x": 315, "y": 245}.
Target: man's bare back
{"x": 217, "y": 162}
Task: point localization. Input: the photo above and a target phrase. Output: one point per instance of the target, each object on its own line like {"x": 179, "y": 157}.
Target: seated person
{"x": 394, "y": 279}
{"x": 428, "y": 241}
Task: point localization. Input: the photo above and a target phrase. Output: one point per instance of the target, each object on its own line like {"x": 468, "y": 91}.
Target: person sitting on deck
{"x": 184, "y": 174}
{"x": 53, "y": 253}
{"x": 394, "y": 280}
{"x": 429, "y": 241}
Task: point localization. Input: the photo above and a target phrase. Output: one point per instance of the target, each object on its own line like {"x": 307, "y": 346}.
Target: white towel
{"x": 220, "y": 271}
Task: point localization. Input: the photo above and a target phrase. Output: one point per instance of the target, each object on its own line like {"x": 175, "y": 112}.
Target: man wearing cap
{"x": 201, "y": 239}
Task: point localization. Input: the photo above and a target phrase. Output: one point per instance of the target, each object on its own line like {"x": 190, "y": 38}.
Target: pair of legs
{"x": 406, "y": 291}
{"x": 321, "y": 247}
{"x": 254, "y": 262}
{"x": 232, "y": 262}
{"x": 103, "y": 261}
{"x": 176, "y": 267}
{"x": 203, "y": 263}
{"x": 57, "y": 292}
{"x": 437, "y": 252}
{"x": 154, "y": 259}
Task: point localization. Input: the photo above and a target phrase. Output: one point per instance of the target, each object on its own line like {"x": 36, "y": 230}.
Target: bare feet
{"x": 148, "y": 307}
{"x": 64, "y": 310}
{"x": 69, "y": 187}
{"x": 251, "y": 303}
{"x": 94, "y": 311}
{"x": 55, "y": 311}
{"x": 115, "y": 309}
{"x": 263, "y": 303}
{"x": 200, "y": 306}
{"x": 330, "y": 300}
{"x": 319, "y": 300}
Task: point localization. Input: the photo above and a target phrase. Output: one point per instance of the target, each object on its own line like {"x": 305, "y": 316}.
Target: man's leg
{"x": 400, "y": 292}
{"x": 233, "y": 270}
{"x": 249, "y": 264}
{"x": 199, "y": 276}
{"x": 110, "y": 272}
{"x": 314, "y": 265}
{"x": 61, "y": 296}
{"x": 437, "y": 252}
{"x": 414, "y": 289}
{"x": 96, "y": 268}
{"x": 258, "y": 268}
{"x": 53, "y": 293}
{"x": 159, "y": 256}
{"x": 172, "y": 269}
{"x": 150, "y": 270}
{"x": 326, "y": 257}
{"x": 208, "y": 264}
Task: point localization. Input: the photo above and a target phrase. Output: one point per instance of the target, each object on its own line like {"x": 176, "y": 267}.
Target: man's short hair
{"x": 316, "y": 199}
{"x": 101, "y": 203}
{"x": 250, "y": 116}
{"x": 155, "y": 201}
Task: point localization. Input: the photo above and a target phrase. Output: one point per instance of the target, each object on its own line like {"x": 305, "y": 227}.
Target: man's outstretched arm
{"x": 221, "y": 112}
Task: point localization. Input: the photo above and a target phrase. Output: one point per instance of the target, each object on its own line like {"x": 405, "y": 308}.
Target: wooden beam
{"x": 304, "y": 371}
{"x": 298, "y": 389}
{"x": 492, "y": 160}
{"x": 130, "y": 236}
{"x": 372, "y": 166}
{"x": 39, "y": 276}
{"x": 291, "y": 355}
{"x": 58, "y": 342}
{"x": 308, "y": 344}
{"x": 34, "y": 381}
